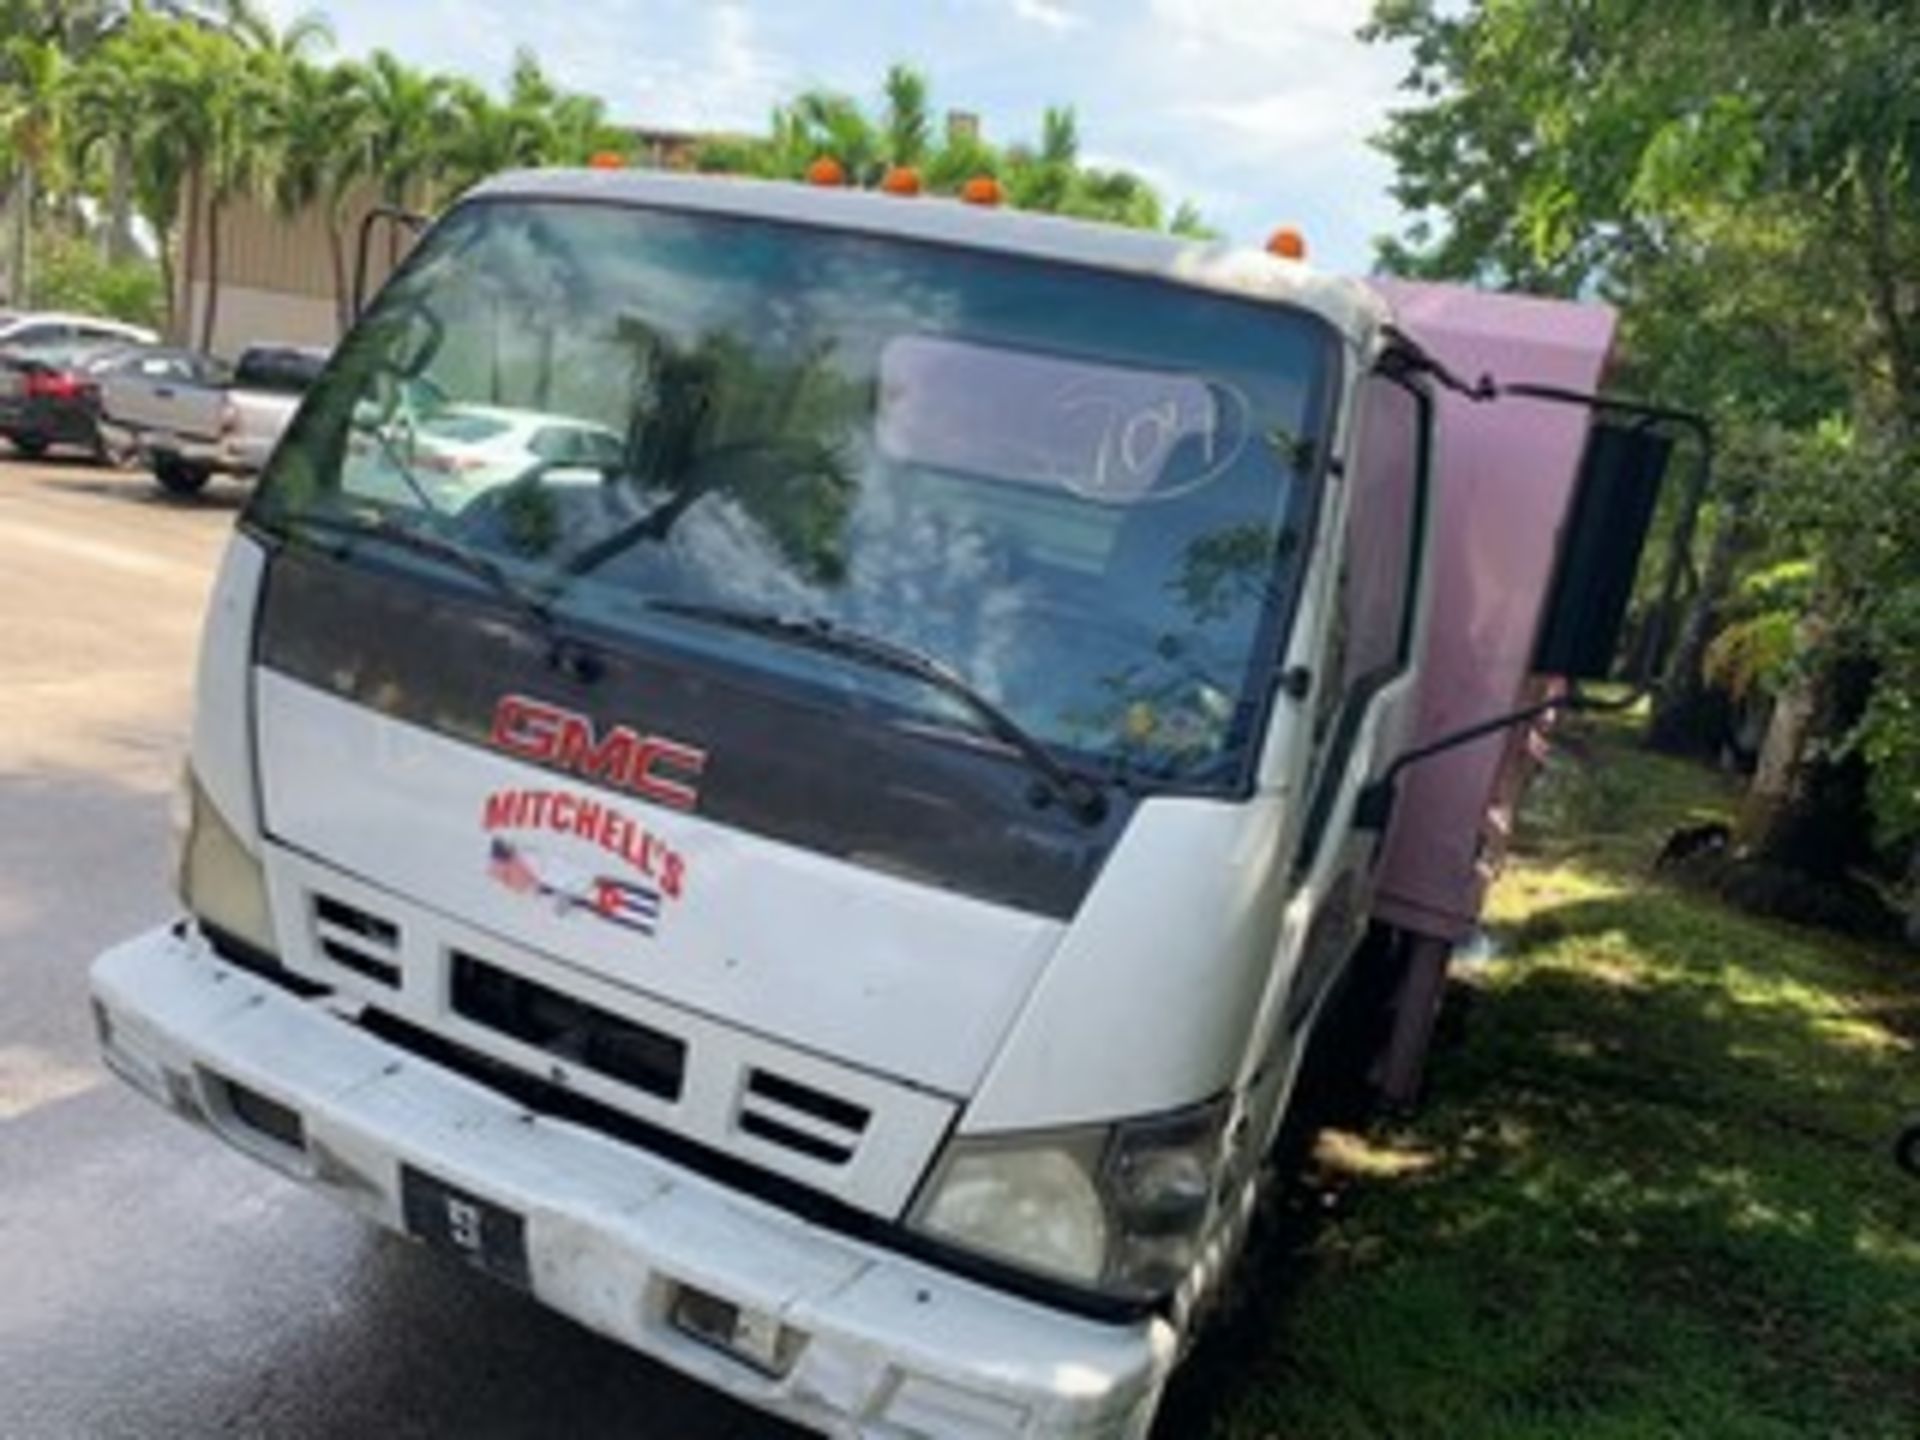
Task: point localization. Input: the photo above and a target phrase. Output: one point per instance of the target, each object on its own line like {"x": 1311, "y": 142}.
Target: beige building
{"x": 277, "y": 279}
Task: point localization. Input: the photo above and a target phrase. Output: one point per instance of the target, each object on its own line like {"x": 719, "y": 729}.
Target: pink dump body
{"x": 1505, "y": 474}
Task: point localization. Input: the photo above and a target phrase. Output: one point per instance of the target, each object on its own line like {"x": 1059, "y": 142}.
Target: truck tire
{"x": 31, "y": 446}
{"x": 177, "y": 477}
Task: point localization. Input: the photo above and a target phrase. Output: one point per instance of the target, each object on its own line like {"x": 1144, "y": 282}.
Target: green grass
{"x": 1650, "y": 1192}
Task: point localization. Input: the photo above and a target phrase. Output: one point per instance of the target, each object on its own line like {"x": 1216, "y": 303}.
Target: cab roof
{"x": 1356, "y": 311}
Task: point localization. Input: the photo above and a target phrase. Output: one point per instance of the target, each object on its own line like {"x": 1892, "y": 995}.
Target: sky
{"x": 1258, "y": 111}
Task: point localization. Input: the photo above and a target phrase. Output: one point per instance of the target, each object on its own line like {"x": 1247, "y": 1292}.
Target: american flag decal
{"x": 507, "y": 865}
{"x": 522, "y": 870}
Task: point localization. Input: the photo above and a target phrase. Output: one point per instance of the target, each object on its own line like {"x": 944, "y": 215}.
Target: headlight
{"x": 219, "y": 880}
{"x": 1118, "y": 1208}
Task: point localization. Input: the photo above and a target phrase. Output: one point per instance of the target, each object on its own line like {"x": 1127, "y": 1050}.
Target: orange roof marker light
{"x": 826, "y": 171}
{"x": 981, "y": 190}
{"x": 606, "y": 160}
{"x": 901, "y": 180}
{"x": 1288, "y": 243}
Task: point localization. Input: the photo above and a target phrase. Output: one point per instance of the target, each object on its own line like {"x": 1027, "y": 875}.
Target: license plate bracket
{"x": 485, "y": 1235}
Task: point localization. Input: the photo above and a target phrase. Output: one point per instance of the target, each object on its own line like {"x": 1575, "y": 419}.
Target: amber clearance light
{"x": 1288, "y": 243}
{"x": 901, "y": 180}
{"x": 981, "y": 190}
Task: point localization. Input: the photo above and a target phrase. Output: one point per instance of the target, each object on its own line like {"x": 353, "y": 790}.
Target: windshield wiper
{"x": 380, "y": 527}
{"x": 1082, "y": 797}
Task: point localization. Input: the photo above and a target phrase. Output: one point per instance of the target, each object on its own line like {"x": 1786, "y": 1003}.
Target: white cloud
{"x": 1257, "y": 26}
{"x": 1049, "y": 15}
{"x": 1253, "y": 109}
{"x": 1287, "y": 122}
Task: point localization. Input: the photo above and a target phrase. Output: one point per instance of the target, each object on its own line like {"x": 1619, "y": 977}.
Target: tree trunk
{"x": 1807, "y": 810}
{"x": 120, "y": 247}
{"x": 1688, "y": 718}
{"x": 396, "y": 198}
{"x": 1890, "y": 290}
{"x": 342, "y": 301}
{"x": 22, "y": 289}
{"x": 164, "y": 248}
{"x": 1776, "y": 779}
{"x": 1913, "y": 896}
{"x": 211, "y": 318}
{"x": 189, "y": 258}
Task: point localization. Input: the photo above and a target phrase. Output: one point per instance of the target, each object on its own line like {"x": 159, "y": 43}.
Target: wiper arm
{"x": 408, "y": 475}
{"x": 1084, "y": 799}
{"x": 420, "y": 542}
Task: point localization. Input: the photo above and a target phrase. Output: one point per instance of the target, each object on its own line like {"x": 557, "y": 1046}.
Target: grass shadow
{"x": 1651, "y": 1193}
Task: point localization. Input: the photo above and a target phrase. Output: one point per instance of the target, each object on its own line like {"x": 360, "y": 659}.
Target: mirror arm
{"x": 393, "y": 215}
{"x": 1374, "y": 807}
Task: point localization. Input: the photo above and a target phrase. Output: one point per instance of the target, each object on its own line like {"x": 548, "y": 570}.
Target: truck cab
{"x": 831, "y": 882}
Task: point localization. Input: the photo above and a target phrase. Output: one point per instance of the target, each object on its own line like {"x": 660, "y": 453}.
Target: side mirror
{"x": 1608, "y": 520}
{"x": 1600, "y": 549}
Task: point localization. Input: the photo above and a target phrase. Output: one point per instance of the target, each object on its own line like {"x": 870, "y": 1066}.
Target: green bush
{"x": 69, "y": 274}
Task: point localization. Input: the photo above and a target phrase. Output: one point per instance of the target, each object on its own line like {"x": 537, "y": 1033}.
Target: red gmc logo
{"x": 653, "y": 768}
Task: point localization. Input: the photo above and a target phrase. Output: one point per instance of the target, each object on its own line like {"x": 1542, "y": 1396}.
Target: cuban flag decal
{"x": 634, "y": 906}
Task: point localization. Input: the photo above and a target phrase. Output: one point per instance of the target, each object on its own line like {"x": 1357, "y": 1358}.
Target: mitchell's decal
{"x": 525, "y": 871}
{"x": 651, "y": 766}
{"x": 556, "y": 812}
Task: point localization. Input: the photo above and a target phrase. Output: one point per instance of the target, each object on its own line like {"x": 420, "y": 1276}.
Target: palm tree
{"x": 906, "y": 124}
{"x": 318, "y": 155}
{"x": 241, "y": 103}
{"x": 1117, "y": 196}
{"x": 579, "y": 130}
{"x": 108, "y": 111}
{"x": 485, "y": 137}
{"x": 1043, "y": 179}
{"x": 181, "y": 78}
{"x": 826, "y": 123}
{"x": 959, "y": 160}
{"x": 1188, "y": 222}
{"x": 406, "y": 113}
{"x": 255, "y": 32}
{"x": 32, "y": 111}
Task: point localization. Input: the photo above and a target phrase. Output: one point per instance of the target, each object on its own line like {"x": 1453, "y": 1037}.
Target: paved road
{"x": 151, "y": 1284}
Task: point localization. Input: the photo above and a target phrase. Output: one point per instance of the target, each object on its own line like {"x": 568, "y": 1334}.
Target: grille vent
{"x": 801, "y": 1119}
{"x": 356, "y": 939}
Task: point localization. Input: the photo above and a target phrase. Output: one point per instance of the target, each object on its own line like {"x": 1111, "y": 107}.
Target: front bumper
{"x": 880, "y": 1344}
{"x": 218, "y": 456}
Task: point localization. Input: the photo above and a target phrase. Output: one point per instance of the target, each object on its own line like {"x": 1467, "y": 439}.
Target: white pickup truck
{"x": 198, "y": 420}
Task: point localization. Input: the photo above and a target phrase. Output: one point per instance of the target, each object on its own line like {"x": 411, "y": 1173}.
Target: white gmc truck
{"x": 833, "y": 882}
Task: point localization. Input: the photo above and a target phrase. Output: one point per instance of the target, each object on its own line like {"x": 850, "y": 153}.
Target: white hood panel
{"x": 897, "y": 977}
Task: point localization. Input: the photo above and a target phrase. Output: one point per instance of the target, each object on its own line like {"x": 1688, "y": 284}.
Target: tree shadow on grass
{"x": 1651, "y": 1194}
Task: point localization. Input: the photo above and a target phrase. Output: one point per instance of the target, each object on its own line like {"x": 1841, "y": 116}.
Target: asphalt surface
{"x": 153, "y": 1284}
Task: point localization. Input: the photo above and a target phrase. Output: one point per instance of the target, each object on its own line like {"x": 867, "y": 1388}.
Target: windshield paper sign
{"x": 654, "y": 872}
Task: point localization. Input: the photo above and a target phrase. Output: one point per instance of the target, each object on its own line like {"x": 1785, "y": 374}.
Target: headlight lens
{"x": 1034, "y": 1207}
{"x": 219, "y": 880}
{"x": 1118, "y": 1208}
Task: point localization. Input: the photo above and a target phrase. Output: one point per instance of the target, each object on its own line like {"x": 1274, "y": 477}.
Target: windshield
{"x": 1083, "y": 493}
